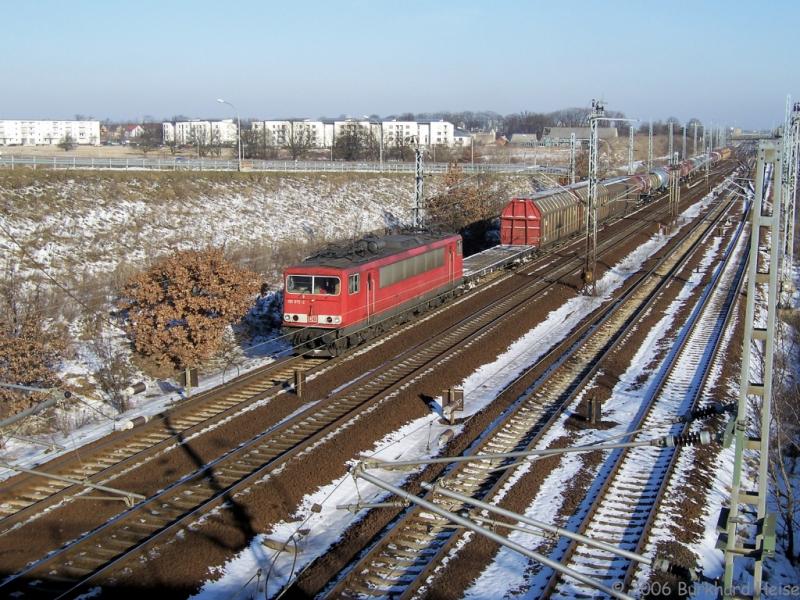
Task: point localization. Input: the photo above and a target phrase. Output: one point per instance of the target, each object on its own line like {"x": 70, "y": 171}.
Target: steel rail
{"x": 483, "y": 320}
{"x": 26, "y": 496}
{"x": 665, "y": 372}
{"x": 548, "y": 415}
{"x": 214, "y": 499}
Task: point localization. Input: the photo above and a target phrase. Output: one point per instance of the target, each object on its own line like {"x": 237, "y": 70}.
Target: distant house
{"x": 461, "y": 137}
{"x": 484, "y": 137}
{"x": 562, "y": 134}
{"x": 130, "y": 132}
{"x": 524, "y": 139}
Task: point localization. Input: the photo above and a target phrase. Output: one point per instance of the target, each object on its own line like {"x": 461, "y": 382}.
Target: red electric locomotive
{"x": 346, "y": 294}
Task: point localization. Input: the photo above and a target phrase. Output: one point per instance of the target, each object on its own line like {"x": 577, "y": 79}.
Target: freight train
{"x": 556, "y": 214}
{"x": 348, "y": 293}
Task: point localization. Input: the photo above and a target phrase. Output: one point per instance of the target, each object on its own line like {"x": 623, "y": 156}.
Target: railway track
{"x": 623, "y": 512}
{"x": 398, "y": 564}
{"x": 27, "y": 497}
{"x": 80, "y": 563}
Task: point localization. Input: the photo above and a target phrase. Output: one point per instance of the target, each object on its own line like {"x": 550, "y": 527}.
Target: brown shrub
{"x": 29, "y": 350}
{"x": 178, "y": 309}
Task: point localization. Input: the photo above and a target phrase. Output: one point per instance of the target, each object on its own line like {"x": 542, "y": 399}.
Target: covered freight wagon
{"x": 540, "y": 220}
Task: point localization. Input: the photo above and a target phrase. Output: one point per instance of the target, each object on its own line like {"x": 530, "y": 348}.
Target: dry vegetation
{"x": 31, "y": 347}
{"x": 179, "y": 308}
{"x": 77, "y": 237}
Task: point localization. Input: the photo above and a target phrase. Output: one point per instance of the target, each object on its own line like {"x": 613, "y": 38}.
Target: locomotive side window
{"x": 353, "y": 284}
{"x": 326, "y": 285}
{"x": 298, "y": 284}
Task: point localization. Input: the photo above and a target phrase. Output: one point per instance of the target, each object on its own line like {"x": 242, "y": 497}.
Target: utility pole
{"x": 791, "y": 146}
{"x": 572, "y": 165}
{"x": 650, "y": 148}
{"x": 793, "y": 177}
{"x": 683, "y": 147}
{"x": 589, "y": 268}
{"x": 630, "y": 150}
{"x": 671, "y": 141}
{"x": 418, "y": 191}
{"x": 472, "y": 150}
{"x": 380, "y": 149}
{"x": 674, "y": 188}
{"x": 749, "y": 536}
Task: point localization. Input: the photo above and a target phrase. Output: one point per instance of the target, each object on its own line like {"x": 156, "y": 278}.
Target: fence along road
{"x": 212, "y": 164}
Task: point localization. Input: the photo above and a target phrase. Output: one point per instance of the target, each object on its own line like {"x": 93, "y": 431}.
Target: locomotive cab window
{"x": 353, "y": 283}
{"x": 298, "y": 284}
{"x": 306, "y": 284}
{"x": 326, "y": 285}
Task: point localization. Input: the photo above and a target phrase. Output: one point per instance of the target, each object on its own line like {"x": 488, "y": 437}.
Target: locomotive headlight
{"x": 287, "y": 317}
{"x": 295, "y": 317}
{"x": 330, "y": 319}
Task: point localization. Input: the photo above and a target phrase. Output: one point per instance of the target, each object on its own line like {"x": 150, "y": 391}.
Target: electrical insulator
{"x": 702, "y": 413}
{"x": 689, "y": 439}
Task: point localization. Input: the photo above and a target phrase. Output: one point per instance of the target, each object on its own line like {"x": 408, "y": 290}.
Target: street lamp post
{"x": 238, "y": 130}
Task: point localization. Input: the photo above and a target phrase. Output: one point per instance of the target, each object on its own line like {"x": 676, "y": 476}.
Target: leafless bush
{"x": 114, "y": 372}
{"x": 785, "y": 437}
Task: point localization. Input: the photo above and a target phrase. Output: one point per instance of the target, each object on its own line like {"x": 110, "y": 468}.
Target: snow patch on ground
{"x": 415, "y": 440}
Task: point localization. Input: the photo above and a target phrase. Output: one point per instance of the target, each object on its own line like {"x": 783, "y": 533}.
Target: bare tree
{"x": 257, "y": 143}
{"x": 785, "y": 439}
{"x": 401, "y": 148}
{"x": 215, "y": 143}
{"x": 150, "y": 138}
{"x": 67, "y": 142}
{"x": 206, "y": 141}
{"x": 114, "y": 372}
{"x": 464, "y": 201}
{"x": 356, "y": 142}
{"x": 299, "y": 141}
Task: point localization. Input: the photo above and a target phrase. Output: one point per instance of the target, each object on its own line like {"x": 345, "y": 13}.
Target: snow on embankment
{"x": 79, "y": 224}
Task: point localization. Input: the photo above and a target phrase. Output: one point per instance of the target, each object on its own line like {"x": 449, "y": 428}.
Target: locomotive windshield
{"x": 308, "y": 284}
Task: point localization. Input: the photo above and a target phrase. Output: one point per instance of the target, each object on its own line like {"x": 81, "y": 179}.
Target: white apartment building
{"x": 189, "y": 132}
{"x": 38, "y": 133}
{"x": 440, "y": 133}
{"x": 281, "y": 132}
{"x": 347, "y": 125}
{"x": 399, "y": 132}
{"x": 168, "y": 132}
{"x": 323, "y": 134}
{"x": 277, "y": 132}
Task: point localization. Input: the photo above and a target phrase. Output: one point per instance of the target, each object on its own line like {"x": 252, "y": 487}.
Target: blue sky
{"x": 731, "y": 62}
